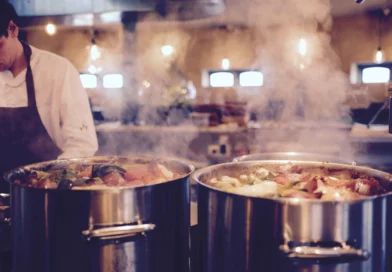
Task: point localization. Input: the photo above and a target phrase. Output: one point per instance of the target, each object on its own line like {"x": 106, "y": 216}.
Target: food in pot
{"x": 291, "y": 181}
{"x": 94, "y": 176}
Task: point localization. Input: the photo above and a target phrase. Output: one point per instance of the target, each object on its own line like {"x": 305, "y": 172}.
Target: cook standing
{"x": 44, "y": 109}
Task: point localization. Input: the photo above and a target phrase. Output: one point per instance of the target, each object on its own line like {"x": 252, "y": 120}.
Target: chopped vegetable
{"x": 262, "y": 173}
{"x": 291, "y": 181}
{"x": 83, "y": 176}
{"x": 166, "y": 173}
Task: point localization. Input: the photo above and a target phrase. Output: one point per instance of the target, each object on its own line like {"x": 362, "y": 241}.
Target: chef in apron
{"x": 44, "y": 110}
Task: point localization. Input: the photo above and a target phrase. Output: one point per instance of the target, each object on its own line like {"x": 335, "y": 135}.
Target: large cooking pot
{"x": 240, "y": 233}
{"x": 294, "y": 156}
{"x": 142, "y": 229}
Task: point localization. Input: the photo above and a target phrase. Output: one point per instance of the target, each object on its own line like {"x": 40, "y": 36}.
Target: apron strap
{"x": 29, "y": 76}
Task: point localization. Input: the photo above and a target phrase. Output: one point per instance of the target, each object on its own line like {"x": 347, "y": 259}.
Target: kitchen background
{"x": 210, "y": 89}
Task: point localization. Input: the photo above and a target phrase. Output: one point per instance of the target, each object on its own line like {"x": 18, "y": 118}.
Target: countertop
{"x": 356, "y": 132}
{"x": 118, "y": 127}
{"x": 376, "y": 133}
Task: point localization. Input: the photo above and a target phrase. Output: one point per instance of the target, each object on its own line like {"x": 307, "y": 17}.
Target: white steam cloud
{"x": 303, "y": 74}
{"x": 304, "y": 91}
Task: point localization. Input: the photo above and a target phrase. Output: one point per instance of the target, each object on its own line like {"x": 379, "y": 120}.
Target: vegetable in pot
{"x": 84, "y": 176}
{"x": 291, "y": 181}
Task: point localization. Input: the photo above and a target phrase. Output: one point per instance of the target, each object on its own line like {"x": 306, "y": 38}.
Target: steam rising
{"x": 302, "y": 72}
{"x": 304, "y": 87}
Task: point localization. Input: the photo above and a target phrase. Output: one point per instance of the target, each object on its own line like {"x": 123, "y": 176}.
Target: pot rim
{"x": 195, "y": 177}
{"x": 293, "y": 157}
{"x": 190, "y": 169}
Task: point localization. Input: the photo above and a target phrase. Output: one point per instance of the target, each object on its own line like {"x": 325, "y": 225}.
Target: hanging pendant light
{"x": 379, "y": 56}
{"x": 95, "y": 55}
{"x": 225, "y": 64}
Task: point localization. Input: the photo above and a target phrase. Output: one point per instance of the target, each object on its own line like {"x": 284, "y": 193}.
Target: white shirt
{"x": 62, "y": 102}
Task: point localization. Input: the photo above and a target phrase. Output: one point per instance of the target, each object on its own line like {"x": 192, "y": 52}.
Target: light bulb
{"x": 302, "y": 47}
{"x": 94, "y": 52}
{"x": 225, "y": 64}
{"x": 92, "y": 69}
{"x": 167, "y": 50}
{"x": 146, "y": 84}
{"x": 379, "y": 57}
{"x": 50, "y": 29}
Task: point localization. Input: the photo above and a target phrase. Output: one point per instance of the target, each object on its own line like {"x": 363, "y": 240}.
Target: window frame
{"x": 219, "y": 72}
{"x": 236, "y": 72}
{"x": 111, "y": 74}
{"x": 251, "y": 86}
{"x": 89, "y": 74}
{"x": 363, "y": 66}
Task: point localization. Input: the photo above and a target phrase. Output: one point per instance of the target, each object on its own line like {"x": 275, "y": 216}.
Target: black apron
{"x": 23, "y": 137}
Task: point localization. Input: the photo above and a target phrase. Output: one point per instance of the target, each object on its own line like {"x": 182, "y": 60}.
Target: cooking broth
{"x": 79, "y": 176}
{"x": 292, "y": 181}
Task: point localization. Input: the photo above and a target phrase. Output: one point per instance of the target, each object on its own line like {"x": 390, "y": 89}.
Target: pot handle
{"x": 4, "y": 209}
{"x": 309, "y": 252}
{"x": 119, "y": 231}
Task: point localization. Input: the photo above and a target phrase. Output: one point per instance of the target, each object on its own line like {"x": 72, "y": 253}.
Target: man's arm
{"x": 77, "y": 125}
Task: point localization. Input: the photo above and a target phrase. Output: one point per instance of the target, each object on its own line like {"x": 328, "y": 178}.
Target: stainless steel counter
{"x": 358, "y": 132}
{"x": 372, "y": 147}
{"x": 374, "y": 134}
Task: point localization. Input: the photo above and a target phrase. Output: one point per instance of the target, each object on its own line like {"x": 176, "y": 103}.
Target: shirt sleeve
{"x": 76, "y": 121}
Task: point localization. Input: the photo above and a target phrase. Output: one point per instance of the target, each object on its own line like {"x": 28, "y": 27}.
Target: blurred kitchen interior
{"x": 183, "y": 88}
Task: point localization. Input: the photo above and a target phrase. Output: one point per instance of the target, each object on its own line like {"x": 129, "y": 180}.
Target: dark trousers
{"x": 6, "y": 262}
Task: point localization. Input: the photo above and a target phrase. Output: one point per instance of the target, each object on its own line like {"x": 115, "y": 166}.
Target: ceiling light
{"x": 51, "y": 29}
{"x": 225, "y": 64}
{"x": 167, "y": 50}
{"x": 302, "y": 47}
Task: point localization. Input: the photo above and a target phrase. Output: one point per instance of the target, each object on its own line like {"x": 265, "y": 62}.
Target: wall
{"x": 74, "y": 43}
{"x": 196, "y": 48}
{"x": 355, "y": 38}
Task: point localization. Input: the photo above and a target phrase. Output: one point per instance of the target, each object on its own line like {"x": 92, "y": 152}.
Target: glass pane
{"x": 89, "y": 81}
{"x": 222, "y": 79}
{"x": 113, "y": 81}
{"x": 251, "y": 79}
{"x": 376, "y": 75}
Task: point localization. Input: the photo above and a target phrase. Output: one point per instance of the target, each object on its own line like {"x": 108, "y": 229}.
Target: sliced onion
{"x": 333, "y": 178}
{"x": 235, "y": 182}
{"x": 263, "y": 189}
{"x": 213, "y": 181}
{"x": 244, "y": 178}
{"x": 262, "y": 173}
{"x": 362, "y": 188}
{"x": 321, "y": 188}
{"x": 166, "y": 172}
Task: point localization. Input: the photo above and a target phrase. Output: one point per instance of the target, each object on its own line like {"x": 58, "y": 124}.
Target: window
{"x": 376, "y": 75}
{"x": 113, "y": 81}
{"x": 89, "y": 81}
{"x": 251, "y": 79}
{"x": 369, "y": 73}
{"x": 222, "y": 79}
{"x": 233, "y": 78}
